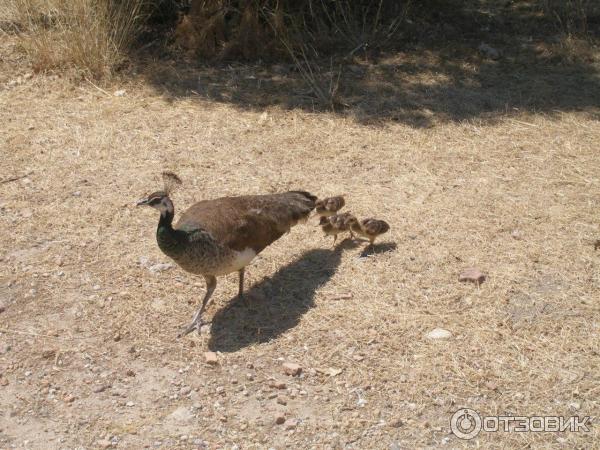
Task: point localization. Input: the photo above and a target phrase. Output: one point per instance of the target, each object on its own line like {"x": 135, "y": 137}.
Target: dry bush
{"x": 254, "y": 28}
{"x": 87, "y": 35}
{"x": 571, "y": 16}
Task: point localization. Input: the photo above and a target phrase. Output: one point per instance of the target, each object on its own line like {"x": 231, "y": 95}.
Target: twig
{"x": 8, "y": 180}
{"x": 97, "y": 87}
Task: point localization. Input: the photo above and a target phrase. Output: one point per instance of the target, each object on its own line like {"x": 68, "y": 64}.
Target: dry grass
{"x": 89, "y": 36}
{"x": 518, "y": 198}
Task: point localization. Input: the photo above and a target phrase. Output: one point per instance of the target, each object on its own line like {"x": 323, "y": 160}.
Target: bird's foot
{"x": 195, "y": 325}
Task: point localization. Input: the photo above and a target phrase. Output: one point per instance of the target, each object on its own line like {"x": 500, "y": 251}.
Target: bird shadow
{"x": 275, "y": 304}
{"x": 376, "y": 249}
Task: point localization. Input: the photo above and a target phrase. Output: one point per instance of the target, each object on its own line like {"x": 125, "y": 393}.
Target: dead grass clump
{"x": 571, "y": 16}
{"x": 87, "y": 35}
{"x": 254, "y": 28}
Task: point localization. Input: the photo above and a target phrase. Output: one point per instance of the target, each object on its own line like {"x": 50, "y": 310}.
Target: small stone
{"x": 292, "y": 369}
{"x": 130, "y": 373}
{"x": 279, "y": 420}
{"x": 117, "y": 337}
{"x": 576, "y": 406}
{"x": 2, "y": 308}
{"x": 210, "y": 358}
{"x": 396, "y": 423}
{"x": 69, "y": 399}
{"x": 282, "y": 400}
{"x": 48, "y": 354}
{"x": 96, "y": 287}
{"x": 130, "y": 404}
{"x": 104, "y": 443}
{"x": 488, "y": 51}
{"x": 160, "y": 267}
{"x": 277, "y": 384}
{"x": 119, "y": 93}
{"x": 439, "y": 333}
{"x": 249, "y": 377}
{"x": 220, "y": 389}
{"x": 99, "y": 389}
{"x": 185, "y": 390}
{"x": 472, "y": 275}
{"x": 290, "y": 424}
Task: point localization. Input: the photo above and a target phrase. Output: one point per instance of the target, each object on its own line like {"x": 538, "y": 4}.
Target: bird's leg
{"x": 211, "y": 284}
{"x": 334, "y": 239}
{"x": 241, "y": 288}
{"x": 351, "y": 234}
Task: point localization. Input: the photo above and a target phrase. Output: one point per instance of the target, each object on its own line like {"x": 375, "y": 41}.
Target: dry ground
{"x": 87, "y": 346}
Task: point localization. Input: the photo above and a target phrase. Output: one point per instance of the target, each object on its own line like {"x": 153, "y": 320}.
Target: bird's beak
{"x": 141, "y": 202}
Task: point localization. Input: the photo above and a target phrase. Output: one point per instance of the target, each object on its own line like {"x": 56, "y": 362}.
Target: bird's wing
{"x": 248, "y": 221}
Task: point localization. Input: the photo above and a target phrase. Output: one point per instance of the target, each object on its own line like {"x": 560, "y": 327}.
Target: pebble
{"x": 210, "y": 358}
{"x": 292, "y": 369}
{"x": 282, "y": 400}
{"x": 277, "y": 384}
{"x": 488, "y": 51}
{"x": 290, "y": 424}
{"x": 129, "y": 404}
{"x": 104, "y": 443}
{"x": 439, "y": 333}
{"x": 185, "y": 390}
{"x": 160, "y": 267}
{"x": 473, "y": 275}
{"x": 279, "y": 420}
{"x": 396, "y": 423}
{"x": 575, "y": 406}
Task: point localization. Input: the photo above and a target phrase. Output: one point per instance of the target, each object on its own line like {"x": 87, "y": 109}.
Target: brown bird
{"x": 329, "y": 206}
{"x": 370, "y": 228}
{"x": 221, "y": 236}
{"x": 336, "y": 224}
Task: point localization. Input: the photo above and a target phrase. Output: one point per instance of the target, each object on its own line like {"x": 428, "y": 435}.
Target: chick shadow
{"x": 377, "y": 249}
{"x": 275, "y": 304}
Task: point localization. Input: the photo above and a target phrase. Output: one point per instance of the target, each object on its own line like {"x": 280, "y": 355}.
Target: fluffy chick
{"x": 338, "y": 223}
{"x": 329, "y": 206}
{"x": 370, "y": 228}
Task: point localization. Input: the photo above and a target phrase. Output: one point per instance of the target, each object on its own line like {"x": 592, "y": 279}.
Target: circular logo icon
{"x": 465, "y": 423}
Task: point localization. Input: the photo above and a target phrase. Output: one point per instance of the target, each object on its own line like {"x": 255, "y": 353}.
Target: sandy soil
{"x": 88, "y": 350}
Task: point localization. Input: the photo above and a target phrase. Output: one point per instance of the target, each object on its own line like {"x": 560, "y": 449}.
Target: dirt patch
{"x": 88, "y": 355}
